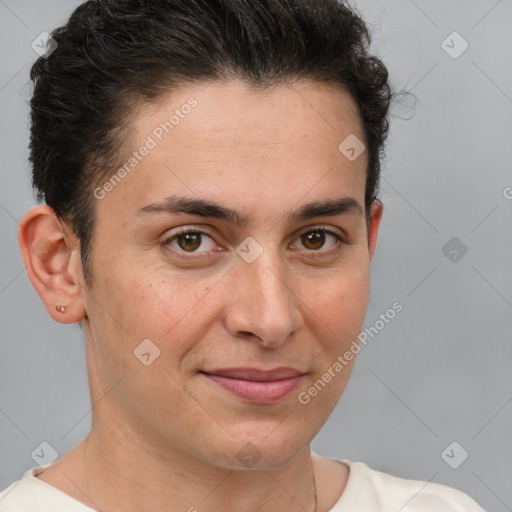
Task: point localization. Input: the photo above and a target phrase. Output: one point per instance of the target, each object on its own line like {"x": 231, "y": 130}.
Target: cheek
{"x": 338, "y": 306}
{"x": 336, "y": 323}
{"x": 128, "y": 310}
{"x": 172, "y": 311}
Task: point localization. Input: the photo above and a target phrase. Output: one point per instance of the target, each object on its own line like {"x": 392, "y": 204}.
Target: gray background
{"x": 440, "y": 371}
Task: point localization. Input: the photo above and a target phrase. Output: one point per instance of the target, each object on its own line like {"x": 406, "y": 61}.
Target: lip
{"x": 257, "y": 385}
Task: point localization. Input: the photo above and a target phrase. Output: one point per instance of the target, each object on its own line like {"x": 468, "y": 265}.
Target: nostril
{"x": 248, "y": 334}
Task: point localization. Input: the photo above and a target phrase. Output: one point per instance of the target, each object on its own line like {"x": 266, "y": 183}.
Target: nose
{"x": 263, "y": 304}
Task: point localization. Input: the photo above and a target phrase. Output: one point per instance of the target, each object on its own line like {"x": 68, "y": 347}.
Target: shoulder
{"x": 384, "y": 491}
{"x": 29, "y": 494}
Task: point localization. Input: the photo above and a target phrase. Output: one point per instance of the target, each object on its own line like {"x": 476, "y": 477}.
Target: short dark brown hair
{"x": 114, "y": 54}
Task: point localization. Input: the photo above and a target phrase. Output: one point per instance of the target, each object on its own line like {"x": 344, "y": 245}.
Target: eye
{"x": 195, "y": 241}
{"x": 190, "y": 240}
{"x": 315, "y": 239}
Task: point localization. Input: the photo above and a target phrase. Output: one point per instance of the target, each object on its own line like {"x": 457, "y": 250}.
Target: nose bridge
{"x": 266, "y": 303}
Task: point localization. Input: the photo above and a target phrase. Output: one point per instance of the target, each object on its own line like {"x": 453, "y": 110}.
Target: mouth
{"x": 257, "y": 385}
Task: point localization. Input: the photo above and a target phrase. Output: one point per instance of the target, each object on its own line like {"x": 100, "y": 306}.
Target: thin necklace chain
{"x": 314, "y": 488}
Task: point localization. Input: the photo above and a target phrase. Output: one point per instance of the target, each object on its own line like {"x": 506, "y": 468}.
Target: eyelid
{"x": 320, "y": 227}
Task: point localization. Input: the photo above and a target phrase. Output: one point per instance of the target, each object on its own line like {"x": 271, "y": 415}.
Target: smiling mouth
{"x": 256, "y": 385}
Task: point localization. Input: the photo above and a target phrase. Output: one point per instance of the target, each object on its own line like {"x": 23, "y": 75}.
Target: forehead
{"x": 224, "y": 140}
{"x": 286, "y": 110}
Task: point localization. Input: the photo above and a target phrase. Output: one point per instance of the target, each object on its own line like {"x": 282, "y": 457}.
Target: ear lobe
{"x": 50, "y": 255}
{"x": 377, "y": 209}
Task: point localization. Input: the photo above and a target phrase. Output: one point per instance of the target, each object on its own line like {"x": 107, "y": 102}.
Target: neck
{"x": 121, "y": 473}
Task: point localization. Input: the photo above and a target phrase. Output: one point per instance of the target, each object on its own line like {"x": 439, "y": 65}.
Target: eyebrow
{"x": 193, "y": 206}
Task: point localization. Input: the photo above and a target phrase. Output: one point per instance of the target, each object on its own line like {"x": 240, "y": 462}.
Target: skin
{"x": 164, "y": 436}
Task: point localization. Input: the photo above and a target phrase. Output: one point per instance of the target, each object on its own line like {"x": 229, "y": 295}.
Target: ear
{"x": 51, "y": 254}
{"x": 377, "y": 209}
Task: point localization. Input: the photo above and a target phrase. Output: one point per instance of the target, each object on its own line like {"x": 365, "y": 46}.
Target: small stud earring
{"x": 61, "y": 309}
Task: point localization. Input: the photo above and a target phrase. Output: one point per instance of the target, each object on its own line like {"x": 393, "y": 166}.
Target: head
{"x": 258, "y": 127}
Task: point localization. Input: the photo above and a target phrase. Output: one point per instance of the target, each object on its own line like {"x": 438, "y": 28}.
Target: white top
{"x": 366, "y": 490}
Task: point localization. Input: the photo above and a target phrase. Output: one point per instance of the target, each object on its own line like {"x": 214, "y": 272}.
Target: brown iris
{"x": 315, "y": 239}
{"x": 189, "y": 241}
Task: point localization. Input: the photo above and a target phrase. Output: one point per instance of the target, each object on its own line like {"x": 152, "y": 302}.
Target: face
{"x": 230, "y": 271}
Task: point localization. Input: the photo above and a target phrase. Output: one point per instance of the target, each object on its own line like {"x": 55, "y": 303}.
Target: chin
{"x": 258, "y": 450}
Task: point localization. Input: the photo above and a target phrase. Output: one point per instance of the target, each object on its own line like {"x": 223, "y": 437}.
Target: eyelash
{"x": 314, "y": 254}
